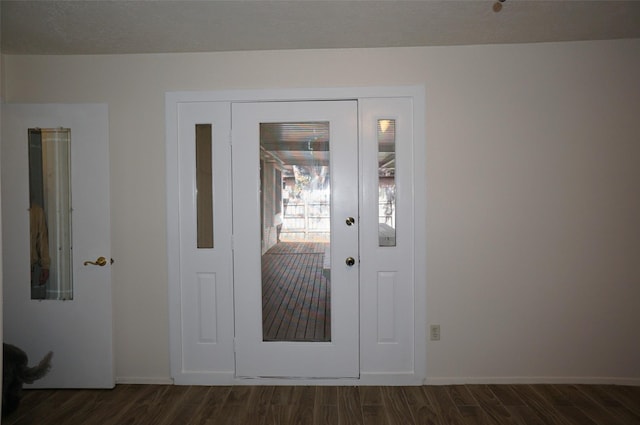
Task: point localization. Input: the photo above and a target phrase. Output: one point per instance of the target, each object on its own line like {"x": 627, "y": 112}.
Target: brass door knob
{"x": 100, "y": 261}
{"x": 350, "y": 261}
{"x": 350, "y": 221}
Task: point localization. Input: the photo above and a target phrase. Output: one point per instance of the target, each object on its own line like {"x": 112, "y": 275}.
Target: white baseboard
{"x": 228, "y": 378}
{"x": 146, "y": 380}
{"x": 205, "y": 378}
{"x": 587, "y": 380}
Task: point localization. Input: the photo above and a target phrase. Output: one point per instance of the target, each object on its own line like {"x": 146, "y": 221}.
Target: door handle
{"x": 100, "y": 261}
{"x": 350, "y": 261}
{"x": 350, "y": 221}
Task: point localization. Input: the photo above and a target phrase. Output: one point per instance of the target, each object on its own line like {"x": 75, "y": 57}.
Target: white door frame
{"x": 226, "y": 375}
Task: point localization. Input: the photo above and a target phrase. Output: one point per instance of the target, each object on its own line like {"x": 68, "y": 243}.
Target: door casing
{"x": 223, "y": 373}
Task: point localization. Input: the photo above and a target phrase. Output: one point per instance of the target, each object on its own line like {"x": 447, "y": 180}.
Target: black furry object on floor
{"x": 16, "y": 372}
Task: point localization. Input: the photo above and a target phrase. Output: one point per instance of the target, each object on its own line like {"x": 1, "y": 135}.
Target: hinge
{"x": 234, "y": 345}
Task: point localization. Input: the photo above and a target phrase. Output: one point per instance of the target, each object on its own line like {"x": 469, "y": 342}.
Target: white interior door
{"x": 295, "y": 226}
{"x": 72, "y": 318}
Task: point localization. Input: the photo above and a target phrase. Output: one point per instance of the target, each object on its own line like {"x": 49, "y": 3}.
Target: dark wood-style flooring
{"x": 296, "y": 296}
{"x": 306, "y": 405}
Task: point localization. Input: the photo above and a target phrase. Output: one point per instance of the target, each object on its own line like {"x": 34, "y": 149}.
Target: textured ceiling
{"x": 154, "y": 26}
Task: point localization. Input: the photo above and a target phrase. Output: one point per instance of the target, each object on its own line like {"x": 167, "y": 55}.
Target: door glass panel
{"x": 386, "y": 182}
{"x": 295, "y": 231}
{"x": 50, "y": 214}
{"x": 204, "y": 185}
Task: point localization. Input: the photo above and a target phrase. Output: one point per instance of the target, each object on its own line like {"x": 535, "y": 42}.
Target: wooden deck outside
{"x": 296, "y": 296}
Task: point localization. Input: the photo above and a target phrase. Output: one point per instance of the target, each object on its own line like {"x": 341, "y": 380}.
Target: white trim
{"x": 228, "y": 378}
{"x": 172, "y": 99}
{"x": 420, "y": 230}
{"x": 146, "y": 380}
{"x": 206, "y": 378}
{"x": 172, "y": 160}
{"x": 502, "y": 380}
{"x": 416, "y": 92}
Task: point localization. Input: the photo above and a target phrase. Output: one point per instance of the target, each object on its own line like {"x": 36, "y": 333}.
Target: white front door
{"x": 295, "y": 227}
{"x": 68, "y": 310}
{"x": 259, "y": 284}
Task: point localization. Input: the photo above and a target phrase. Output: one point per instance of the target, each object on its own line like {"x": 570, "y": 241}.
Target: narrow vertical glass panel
{"x": 50, "y": 214}
{"x": 204, "y": 185}
{"x": 296, "y": 228}
{"x": 386, "y": 182}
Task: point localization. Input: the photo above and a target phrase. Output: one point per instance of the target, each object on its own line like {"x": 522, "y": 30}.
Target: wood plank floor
{"x": 306, "y": 405}
{"x": 296, "y": 296}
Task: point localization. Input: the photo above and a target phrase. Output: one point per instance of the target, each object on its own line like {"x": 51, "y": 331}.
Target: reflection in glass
{"x": 204, "y": 186}
{"x": 50, "y": 214}
{"x": 295, "y": 216}
{"x": 386, "y": 182}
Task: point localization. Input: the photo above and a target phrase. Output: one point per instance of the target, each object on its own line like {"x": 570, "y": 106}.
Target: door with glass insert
{"x": 56, "y": 239}
{"x": 295, "y": 227}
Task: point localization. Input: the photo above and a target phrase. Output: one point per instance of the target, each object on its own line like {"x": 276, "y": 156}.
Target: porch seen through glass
{"x": 295, "y": 199}
{"x": 386, "y": 182}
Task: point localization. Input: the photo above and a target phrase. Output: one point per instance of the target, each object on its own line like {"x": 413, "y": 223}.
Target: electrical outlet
{"x": 435, "y": 332}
